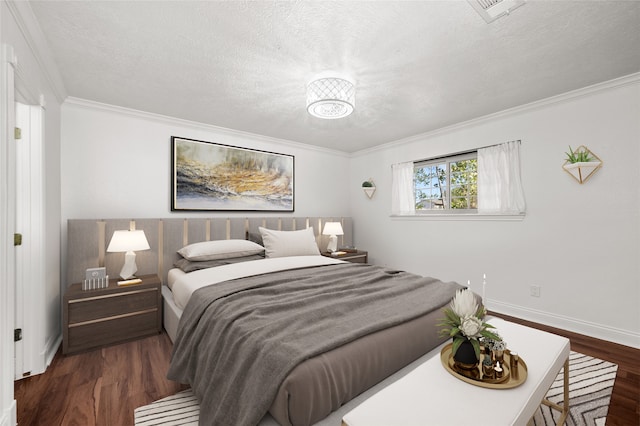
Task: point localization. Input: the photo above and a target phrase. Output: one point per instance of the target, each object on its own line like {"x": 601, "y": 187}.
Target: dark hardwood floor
{"x": 100, "y": 387}
{"x": 104, "y": 386}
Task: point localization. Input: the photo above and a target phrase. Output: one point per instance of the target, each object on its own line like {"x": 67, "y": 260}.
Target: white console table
{"x": 430, "y": 395}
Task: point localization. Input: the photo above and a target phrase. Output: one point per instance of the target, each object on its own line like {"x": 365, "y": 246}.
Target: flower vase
{"x": 465, "y": 356}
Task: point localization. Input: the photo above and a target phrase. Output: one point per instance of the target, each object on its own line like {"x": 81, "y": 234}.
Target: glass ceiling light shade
{"x": 331, "y": 98}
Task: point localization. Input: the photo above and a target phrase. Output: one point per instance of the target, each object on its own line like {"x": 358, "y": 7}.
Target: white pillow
{"x": 289, "y": 243}
{"x": 220, "y": 249}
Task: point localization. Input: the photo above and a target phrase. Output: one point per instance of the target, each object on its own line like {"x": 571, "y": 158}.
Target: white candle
{"x": 498, "y": 370}
{"x": 484, "y": 285}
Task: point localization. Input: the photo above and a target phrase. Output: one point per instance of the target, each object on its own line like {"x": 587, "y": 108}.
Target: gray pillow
{"x": 220, "y": 249}
{"x": 190, "y": 265}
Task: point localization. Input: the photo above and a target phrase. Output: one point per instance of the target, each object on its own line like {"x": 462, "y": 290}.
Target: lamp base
{"x": 129, "y": 268}
{"x": 333, "y": 244}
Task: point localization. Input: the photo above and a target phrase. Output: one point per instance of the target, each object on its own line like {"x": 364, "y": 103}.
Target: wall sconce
{"x": 581, "y": 163}
{"x": 128, "y": 242}
{"x": 332, "y": 229}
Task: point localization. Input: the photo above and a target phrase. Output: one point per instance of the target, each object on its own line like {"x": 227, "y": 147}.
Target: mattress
{"x": 174, "y": 275}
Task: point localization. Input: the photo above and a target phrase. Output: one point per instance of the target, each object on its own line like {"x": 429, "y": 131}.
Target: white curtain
{"x": 402, "y": 200}
{"x": 499, "y": 184}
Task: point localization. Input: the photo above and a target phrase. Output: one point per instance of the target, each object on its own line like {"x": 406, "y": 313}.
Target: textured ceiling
{"x": 417, "y": 66}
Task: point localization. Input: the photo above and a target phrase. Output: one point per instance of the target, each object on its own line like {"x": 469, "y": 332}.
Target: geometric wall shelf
{"x": 370, "y": 189}
{"x": 582, "y": 171}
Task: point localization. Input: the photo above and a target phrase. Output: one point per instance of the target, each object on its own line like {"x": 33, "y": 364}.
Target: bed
{"x": 297, "y": 334}
{"x": 316, "y": 384}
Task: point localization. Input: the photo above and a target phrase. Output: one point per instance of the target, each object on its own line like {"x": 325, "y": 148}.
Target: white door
{"x": 29, "y": 298}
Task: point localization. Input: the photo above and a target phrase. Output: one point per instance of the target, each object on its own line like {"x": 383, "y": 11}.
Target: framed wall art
{"x": 207, "y": 176}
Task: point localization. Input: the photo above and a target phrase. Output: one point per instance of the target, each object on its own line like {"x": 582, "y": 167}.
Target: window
{"x": 447, "y": 183}
{"x": 485, "y": 182}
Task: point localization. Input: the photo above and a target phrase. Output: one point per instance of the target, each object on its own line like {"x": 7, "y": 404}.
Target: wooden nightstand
{"x": 95, "y": 318}
{"x": 359, "y": 256}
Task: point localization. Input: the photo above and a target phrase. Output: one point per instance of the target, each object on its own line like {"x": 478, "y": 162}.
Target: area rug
{"x": 179, "y": 409}
{"x": 590, "y": 386}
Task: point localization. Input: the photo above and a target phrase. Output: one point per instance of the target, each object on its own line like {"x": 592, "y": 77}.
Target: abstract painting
{"x": 211, "y": 177}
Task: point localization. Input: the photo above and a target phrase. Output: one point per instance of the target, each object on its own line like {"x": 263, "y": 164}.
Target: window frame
{"x": 448, "y": 159}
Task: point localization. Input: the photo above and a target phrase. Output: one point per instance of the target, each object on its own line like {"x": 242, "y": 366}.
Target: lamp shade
{"x": 128, "y": 241}
{"x": 332, "y": 228}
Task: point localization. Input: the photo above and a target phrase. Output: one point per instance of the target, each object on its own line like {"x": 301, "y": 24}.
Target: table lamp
{"x": 332, "y": 229}
{"x": 128, "y": 241}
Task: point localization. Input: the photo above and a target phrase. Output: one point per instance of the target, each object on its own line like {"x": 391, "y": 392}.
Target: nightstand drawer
{"x": 111, "y": 305}
{"x": 95, "y": 318}
{"x": 359, "y": 258}
{"x": 107, "y": 331}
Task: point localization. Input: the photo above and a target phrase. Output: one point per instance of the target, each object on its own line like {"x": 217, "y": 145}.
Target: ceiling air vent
{"x": 490, "y": 10}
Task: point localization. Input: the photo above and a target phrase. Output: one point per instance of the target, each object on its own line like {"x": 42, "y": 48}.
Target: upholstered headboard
{"x": 87, "y": 239}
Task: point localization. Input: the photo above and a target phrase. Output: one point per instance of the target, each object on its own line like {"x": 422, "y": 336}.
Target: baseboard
{"x": 48, "y": 353}
{"x": 10, "y": 415}
{"x": 45, "y": 356}
{"x": 52, "y": 349}
{"x": 598, "y": 331}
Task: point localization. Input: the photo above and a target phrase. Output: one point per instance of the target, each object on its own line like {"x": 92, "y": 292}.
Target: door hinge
{"x": 17, "y": 133}
{"x": 17, "y": 239}
{"x": 17, "y": 334}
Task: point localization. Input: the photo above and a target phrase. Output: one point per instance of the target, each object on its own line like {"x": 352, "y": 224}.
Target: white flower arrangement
{"x": 464, "y": 321}
{"x": 493, "y": 344}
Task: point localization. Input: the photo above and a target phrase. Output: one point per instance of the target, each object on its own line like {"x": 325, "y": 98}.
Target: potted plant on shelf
{"x": 581, "y": 163}
{"x": 464, "y": 323}
{"x": 368, "y": 187}
{"x": 578, "y": 156}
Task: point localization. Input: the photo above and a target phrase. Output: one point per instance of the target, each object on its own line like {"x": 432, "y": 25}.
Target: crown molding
{"x": 30, "y": 29}
{"x": 165, "y": 119}
{"x": 627, "y": 80}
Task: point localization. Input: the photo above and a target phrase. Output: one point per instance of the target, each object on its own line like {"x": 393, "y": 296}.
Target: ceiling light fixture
{"x": 331, "y": 98}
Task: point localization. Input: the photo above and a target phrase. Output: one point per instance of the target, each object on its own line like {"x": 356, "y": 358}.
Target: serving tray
{"x": 474, "y": 376}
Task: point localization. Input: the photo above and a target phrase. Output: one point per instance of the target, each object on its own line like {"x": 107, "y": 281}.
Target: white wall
{"x": 116, "y": 163}
{"x": 580, "y": 243}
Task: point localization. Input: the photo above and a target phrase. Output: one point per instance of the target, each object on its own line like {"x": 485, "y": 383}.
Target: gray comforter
{"x": 238, "y": 340}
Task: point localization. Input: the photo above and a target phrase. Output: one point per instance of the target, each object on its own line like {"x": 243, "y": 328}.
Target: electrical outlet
{"x": 534, "y": 290}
